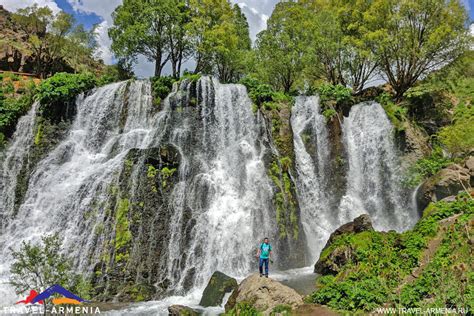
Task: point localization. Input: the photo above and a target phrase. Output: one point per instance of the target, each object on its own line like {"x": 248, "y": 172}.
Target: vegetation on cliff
{"x": 427, "y": 266}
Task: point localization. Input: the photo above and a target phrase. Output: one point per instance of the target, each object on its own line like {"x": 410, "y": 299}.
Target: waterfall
{"x": 312, "y": 154}
{"x": 228, "y": 190}
{"x": 374, "y": 177}
{"x": 222, "y": 199}
{"x": 15, "y": 158}
{"x": 214, "y": 202}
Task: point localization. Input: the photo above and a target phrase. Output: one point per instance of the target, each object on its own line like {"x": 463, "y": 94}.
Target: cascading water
{"x": 220, "y": 205}
{"x": 312, "y": 153}
{"x": 374, "y": 177}
{"x": 373, "y": 180}
{"x": 225, "y": 185}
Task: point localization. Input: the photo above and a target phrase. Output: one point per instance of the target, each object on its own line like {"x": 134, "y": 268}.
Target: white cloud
{"x": 102, "y": 8}
{"x": 13, "y": 5}
{"x": 257, "y": 13}
{"x": 104, "y": 43}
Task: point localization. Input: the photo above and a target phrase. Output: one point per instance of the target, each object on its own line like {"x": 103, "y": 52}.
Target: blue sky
{"x": 98, "y": 12}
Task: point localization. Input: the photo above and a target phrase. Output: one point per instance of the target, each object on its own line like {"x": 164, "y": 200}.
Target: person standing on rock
{"x": 263, "y": 254}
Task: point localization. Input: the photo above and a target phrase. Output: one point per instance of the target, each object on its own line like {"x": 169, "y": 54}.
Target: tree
{"x": 40, "y": 266}
{"x": 55, "y": 44}
{"x": 281, "y": 47}
{"x": 220, "y": 36}
{"x": 177, "y": 35}
{"x": 413, "y": 37}
{"x": 337, "y": 44}
{"x": 153, "y": 28}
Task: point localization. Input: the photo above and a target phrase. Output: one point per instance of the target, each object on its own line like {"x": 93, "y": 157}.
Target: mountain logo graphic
{"x": 68, "y": 297}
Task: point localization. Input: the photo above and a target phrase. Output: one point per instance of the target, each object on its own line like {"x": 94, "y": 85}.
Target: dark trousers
{"x": 260, "y": 265}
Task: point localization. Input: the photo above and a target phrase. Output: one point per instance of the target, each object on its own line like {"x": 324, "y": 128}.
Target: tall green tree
{"x": 156, "y": 29}
{"x": 220, "y": 36}
{"x": 281, "y": 48}
{"x": 413, "y": 37}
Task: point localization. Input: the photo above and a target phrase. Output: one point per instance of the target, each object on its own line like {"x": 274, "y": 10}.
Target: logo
{"x": 68, "y": 297}
{"x": 63, "y": 302}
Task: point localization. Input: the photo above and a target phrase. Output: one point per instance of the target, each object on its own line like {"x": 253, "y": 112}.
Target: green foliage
{"x": 412, "y": 38}
{"x": 13, "y": 106}
{"x": 459, "y": 137}
{"x": 281, "y": 309}
{"x": 166, "y": 173}
{"x": 220, "y": 37}
{"x": 284, "y": 198}
{"x": 445, "y": 280}
{"x": 161, "y": 87}
{"x": 381, "y": 261}
{"x": 263, "y": 94}
{"x": 54, "y": 42}
{"x": 427, "y": 167}
{"x": 64, "y": 87}
{"x": 337, "y": 93}
{"x": 243, "y": 309}
{"x": 39, "y": 266}
{"x": 396, "y": 113}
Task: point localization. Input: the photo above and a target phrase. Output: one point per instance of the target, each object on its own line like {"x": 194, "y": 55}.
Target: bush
{"x": 396, "y": 113}
{"x": 427, "y": 167}
{"x": 459, "y": 137}
{"x": 243, "y": 309}
{"x": 64, "y": 87}
{"x": 337, "y": 93}
{"x": 12, "y": 108}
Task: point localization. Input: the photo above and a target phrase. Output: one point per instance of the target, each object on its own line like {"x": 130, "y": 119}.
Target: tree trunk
{"x": 158, "y": 66}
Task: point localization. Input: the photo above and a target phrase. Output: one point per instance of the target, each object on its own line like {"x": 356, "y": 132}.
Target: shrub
{"x": 64, "y": 87}
{"x": 161, "y": 87}
{"x": 427, "y": 167}
{"x": 459, "y": 137}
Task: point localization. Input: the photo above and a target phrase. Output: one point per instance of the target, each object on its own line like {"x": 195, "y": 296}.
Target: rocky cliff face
{"x": 14, "y": 49}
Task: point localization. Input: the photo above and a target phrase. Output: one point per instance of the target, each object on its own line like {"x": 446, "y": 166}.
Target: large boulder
{"x": 264, "y": 294}
{"x": 180, "y": 310}
{"x": 359, "y": 224}
{"x": 447, "y": 182}
{"x": 340, "y": 256}
{"x": 218, "y": 286}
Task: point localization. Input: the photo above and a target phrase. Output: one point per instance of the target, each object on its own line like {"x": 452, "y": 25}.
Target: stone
{"x": 340, "y": 256}
{"x": 359, "y": 224}
{"x": 219, "y": 284}
{"x": 264, "y": 294}
{"x": 180, "y": 310}
{"x": 447, "y": 182}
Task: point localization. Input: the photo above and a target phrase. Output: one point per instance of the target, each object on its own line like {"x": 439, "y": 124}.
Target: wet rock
{"x": 331, "y": 263}
{"x": 264, "y": 294}
{"x": 447, "y": 182}
{"x": 180, "y": 310}
{"x": 218, "y": 286}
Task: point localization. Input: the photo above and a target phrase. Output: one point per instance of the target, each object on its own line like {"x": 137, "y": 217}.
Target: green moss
{"x": 166, "y": 173}
{"x": 39, "y": 134}
{"x": 284, "y": 200}
{"x": 123, "y": 236}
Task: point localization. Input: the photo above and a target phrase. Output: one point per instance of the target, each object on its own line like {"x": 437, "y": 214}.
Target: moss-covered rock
{"x": 218, "y": 286}
{"x": 389, "y": 268}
